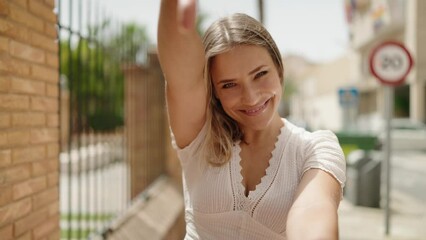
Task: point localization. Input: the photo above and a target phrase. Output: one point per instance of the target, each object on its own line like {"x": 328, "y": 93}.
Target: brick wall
{"x": 145, "y": 123}
{"x": 29, "y": 120}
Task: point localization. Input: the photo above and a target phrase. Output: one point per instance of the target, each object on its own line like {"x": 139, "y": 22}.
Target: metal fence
{"x": 94, "y": 174}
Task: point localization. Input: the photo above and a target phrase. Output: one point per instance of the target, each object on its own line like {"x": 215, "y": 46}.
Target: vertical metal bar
{"x": 79, "y": 125}
{"x": 125, "y": 156}
{"x": 389, "y": 105}
{"x": 59, "y": 4}
{"x": 86, "y": 116}
{"x": 71, "y": 129}
{"x": 261, "y": 11}
{"x": 96, "y": 104}
{"x": 102, "y": 169}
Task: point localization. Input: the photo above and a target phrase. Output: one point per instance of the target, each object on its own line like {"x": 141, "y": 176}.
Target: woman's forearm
{"x": 319, "y": 222}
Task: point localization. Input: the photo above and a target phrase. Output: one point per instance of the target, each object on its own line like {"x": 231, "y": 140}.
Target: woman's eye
{"x": 260, "y": 74}
{"x": 228, "y": 85}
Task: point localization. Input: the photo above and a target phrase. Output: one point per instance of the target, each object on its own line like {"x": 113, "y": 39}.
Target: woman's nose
{"x": 249, "y": 96}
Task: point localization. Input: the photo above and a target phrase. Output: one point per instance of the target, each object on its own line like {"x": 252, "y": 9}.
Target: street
{"x": 409, "y": 173}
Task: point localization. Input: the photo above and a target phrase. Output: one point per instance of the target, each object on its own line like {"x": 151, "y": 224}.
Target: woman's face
{"x": 247, "y": 84}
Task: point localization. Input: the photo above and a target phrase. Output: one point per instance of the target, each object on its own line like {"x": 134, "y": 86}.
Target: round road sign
{"x": 390, "y": 63}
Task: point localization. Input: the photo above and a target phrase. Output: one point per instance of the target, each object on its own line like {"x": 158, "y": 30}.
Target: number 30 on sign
{"x": 390, "y": 63}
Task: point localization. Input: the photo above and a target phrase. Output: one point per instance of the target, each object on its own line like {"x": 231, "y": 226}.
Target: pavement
{"x": 407, "y": 206}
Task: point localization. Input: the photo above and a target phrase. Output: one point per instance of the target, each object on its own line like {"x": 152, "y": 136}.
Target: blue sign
{"x": 348, "y": 97}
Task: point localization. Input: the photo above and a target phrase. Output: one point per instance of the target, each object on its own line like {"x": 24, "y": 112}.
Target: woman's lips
{"x": 257, "y": 110}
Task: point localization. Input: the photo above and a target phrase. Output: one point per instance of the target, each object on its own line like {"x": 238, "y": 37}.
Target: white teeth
{"x": 257, "y": 109}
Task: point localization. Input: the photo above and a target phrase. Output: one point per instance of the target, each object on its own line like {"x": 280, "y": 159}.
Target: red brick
{"x": 45, "y": 73}
{"x": 28, "y": 154}
{"x": 20, "y": 68}
{"x": 5, "y": 120}
{"x": 4, "y": 66}
{"x": 52, "y": 90}
{"x": 15, "y": 174}
{"x": 21, "y": 85}
{"x": 26, "y": 52}
{"x": 5, "y": 158}
{"x": 4, "y": 83}
{"x": 50, "y": 30}
{"x": 13, "y": 102}
{"x": 22, "y": 3}
{"x": 53, "y": 179}
{"x": 4, "y": 44}
{"x": 18, "y": 137}
{"x": 29, "y": 222}
{"x": 26, "y": 236}
{"x": 43, "y": 41}
{"x": 53, "y": 209}
{"x": 6, "y": 232}
{"x": 55, "y": 235}
{"x": 6, "y": 196}
{"x": 13, "y": 30}
{"x": 53, "y": 120}
{"x": 46, "y": 227}
{"x": 28, "y": 119}
{"x": 29, "y": 187}
{"x": 3, "y": 140}
{"x": 21, "y": 15}
{"x": 50, "y": 3}
{"x": 4, "y": 8}
{"x": 14, "y": 211}
{"x": 44, "y": 104}
{"x": 53, "y": 150}
{"x": 44, "y": 167}
{"x": 42, "y": 10}
{"x": 44, "y": 135}
{"x": 15, "y": 66}
{"x": 52, "y": 60}
{"x": 44, "y": 198}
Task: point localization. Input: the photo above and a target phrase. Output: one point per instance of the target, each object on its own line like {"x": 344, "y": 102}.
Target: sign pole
{"x": 390, "y": 63}
{"x": 389, "y": 104}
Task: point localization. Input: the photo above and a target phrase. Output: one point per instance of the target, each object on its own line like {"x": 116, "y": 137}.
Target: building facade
{"x": 372, "y": 22}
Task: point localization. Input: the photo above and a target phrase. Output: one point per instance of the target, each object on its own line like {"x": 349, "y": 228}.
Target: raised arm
{"x": 181, "y": 56}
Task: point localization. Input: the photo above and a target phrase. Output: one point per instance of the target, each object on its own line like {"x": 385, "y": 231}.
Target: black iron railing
{"x": 94, "y": 174}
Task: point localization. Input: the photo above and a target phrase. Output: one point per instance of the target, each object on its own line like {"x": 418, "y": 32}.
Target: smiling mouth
{"x": 257, "y": 110}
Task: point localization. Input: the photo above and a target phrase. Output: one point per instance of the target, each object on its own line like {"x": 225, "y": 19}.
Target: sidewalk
{"x": 408, "y": 220}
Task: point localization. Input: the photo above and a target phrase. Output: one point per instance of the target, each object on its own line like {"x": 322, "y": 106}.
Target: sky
{"x": 314, "y": 29}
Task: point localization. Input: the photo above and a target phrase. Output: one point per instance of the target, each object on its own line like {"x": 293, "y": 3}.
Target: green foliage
{"x": 92, "y": 69}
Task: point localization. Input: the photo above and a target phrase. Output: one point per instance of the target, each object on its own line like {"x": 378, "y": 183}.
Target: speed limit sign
{"x": 390, "y": 63}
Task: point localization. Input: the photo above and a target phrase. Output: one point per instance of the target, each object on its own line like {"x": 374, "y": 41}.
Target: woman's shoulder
{"x": 305, "y": 134}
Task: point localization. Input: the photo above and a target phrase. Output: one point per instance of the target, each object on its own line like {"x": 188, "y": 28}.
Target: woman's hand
{"x": 187, "y": 12}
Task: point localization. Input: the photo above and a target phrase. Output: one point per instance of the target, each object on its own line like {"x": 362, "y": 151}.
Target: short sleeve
{"x": 322, "y": 151}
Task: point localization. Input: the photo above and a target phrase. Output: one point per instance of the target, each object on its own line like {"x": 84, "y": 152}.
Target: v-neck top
{"x": 215, "y": 204}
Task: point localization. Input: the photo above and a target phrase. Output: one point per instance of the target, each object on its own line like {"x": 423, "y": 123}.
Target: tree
{"x": 92, "y": 67}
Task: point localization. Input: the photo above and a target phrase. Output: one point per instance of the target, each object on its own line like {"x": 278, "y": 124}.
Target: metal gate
{"x": 94, "y": 174}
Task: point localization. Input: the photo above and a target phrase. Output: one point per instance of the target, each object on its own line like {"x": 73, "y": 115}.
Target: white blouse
{"x": 215, "y": 204}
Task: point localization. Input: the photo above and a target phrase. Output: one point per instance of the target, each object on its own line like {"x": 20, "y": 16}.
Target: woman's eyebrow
{"x": 256, "y": 69}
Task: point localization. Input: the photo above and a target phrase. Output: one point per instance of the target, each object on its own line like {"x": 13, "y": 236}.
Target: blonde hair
{"x": 220, "y": 37}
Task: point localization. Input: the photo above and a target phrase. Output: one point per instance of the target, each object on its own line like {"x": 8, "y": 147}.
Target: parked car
{"x": 406, "y": 134}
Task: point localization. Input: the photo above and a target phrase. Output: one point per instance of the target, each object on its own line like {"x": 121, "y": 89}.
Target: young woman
{"x": 247, "y": 172}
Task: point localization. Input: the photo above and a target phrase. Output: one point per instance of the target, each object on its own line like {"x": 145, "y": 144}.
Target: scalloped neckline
{"x": 243, "y": 201}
